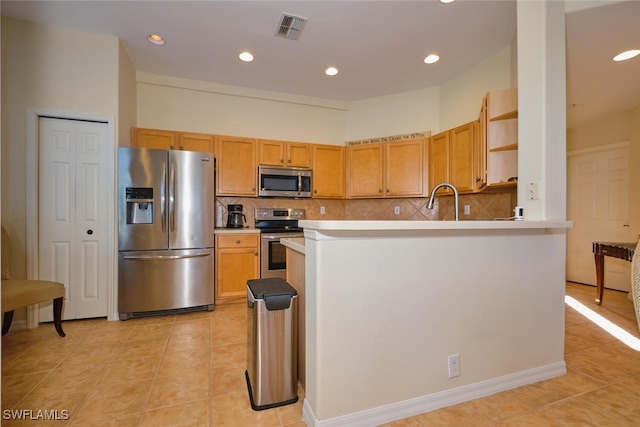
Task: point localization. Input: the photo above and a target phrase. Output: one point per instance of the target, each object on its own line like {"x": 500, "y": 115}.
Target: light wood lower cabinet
{"x": 237, "y": 260}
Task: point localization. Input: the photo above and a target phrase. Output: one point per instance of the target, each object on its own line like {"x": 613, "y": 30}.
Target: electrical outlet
{"x": 467, "y": 209}
{"x": 322, "y": 210}
{"x": 454, "y": 365}
{"x": 396, "y": 210}
{"x": 533, "y": 191}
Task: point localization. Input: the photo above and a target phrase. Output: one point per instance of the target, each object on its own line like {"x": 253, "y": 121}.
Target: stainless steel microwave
{"x": 284, "y": 182}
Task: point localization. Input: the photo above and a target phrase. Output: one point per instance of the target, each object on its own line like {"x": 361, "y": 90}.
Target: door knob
{"x": 89, "y": 232}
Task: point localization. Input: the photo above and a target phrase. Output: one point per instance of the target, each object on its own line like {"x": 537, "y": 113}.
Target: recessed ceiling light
{"x": 446, "y": 1}
{"x": 331, "y": 71}
{"x": 627, "y": 55}
{"x": 431, "y": 59}
{"x": 156, "y": 39}
{"x": 246, "y": 56}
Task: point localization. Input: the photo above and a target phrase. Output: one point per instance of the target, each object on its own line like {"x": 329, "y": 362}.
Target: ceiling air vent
{"x": 290, "y": 26}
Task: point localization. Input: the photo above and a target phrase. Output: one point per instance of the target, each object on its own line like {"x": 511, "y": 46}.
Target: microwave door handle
{"x": 299, "y": 183}
{"x": 163, "y": 198}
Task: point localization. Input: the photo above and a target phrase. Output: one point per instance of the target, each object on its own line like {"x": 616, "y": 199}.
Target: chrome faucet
{"x": 455, "y": 195}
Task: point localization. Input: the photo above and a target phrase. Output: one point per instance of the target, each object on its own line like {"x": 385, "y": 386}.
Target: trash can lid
{"x": 275, "y": 292}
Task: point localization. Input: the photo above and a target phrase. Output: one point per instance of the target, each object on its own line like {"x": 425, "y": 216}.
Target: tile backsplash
{"x": 488, "y": 205}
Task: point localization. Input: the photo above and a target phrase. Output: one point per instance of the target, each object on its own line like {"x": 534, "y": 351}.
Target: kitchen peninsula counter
{"x": 387, "y": 302}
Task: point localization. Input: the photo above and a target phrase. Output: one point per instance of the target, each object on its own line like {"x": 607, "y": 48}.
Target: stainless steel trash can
{"x": 272, "y": 343}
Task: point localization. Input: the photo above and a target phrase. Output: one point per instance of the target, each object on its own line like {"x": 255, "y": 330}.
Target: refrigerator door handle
{"x": 172, "y": 189}
{"x": 163, "y": 198}
{"x": 163, "y": 257}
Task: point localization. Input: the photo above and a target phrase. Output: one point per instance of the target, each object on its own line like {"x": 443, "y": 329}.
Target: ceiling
{"x": 378, "y": 46}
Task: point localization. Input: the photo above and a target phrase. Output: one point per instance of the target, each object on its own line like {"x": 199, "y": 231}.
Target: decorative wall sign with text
{"x": 394, "y": 138}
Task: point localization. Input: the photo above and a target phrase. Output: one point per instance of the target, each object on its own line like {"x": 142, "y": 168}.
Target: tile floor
{"x": 188, "y": 370}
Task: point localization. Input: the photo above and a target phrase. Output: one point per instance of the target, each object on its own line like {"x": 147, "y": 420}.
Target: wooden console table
{"x": 615, "y": 250}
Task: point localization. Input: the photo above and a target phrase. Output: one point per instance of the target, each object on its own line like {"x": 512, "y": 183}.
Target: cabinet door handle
{"x": 238, "y": 242}
{"x": 255, "y": 253}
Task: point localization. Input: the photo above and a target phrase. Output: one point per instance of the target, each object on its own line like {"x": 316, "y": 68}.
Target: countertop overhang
{"x": 354, "y": 225}
{"x": 402, "y": 228}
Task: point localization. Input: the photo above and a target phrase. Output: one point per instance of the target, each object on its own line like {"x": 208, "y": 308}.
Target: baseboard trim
{"x": 419, "y": 405}
{"x": 16, "y": 325}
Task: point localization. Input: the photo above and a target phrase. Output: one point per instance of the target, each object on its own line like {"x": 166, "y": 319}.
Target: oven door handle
{"x": 278, "y": 236}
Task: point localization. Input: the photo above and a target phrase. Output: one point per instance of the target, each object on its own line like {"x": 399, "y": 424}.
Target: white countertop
{"x": 245, "y": 230}
{"x": 354, "y": 225}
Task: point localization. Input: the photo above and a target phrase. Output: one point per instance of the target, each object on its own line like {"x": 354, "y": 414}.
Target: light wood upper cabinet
{"x": 237, "y": 260}
{"x": 328, "y": 171}
{"x": 452, "y": 159}
{"x": 153, "y": 138}
{"x": 236, "y": 166}
{"x": 171, "y": 140}
{"x": 502, "y": 137}
{"x": 282, "y": 153}
{"x": 365, "y": 170}
{"x": 195, "y": 142}
{"x": 439, "y": 161}
{"x": 462, "y": 147}
{"x": 395, "y": 169}
{"x": 405, "y": 168}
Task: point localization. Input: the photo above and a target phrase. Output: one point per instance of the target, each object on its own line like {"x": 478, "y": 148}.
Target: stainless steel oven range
{"x": 275, "y": 224}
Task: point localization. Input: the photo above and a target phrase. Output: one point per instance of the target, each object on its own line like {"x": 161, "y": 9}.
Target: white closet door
{"x": 73, "y": 225}
{"x": 598, "y": 204}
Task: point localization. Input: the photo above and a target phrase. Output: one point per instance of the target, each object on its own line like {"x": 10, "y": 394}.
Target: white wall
{"x": 127, "y": 97}
{"x": 48, "y": 68}
{"x": 180, "y": 104}
{"x": 608, "y": 130}
{"x": 461, "y": 97}
{"x": 400, "y": 113}
{"x": 188, "y": 105}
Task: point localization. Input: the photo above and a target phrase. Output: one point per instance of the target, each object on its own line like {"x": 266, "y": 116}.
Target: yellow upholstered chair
{"x": 21, "y": 293}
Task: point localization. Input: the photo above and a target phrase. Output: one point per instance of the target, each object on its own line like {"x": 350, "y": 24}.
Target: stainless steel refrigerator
{"x": 165, "y": 231}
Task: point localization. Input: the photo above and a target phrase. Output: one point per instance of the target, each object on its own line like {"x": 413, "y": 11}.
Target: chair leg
{"x": 6, "y": 322}
{"x": 57, "y": 315}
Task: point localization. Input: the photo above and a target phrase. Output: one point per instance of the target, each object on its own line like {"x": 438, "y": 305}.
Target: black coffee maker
{"x": 235, "y": 217}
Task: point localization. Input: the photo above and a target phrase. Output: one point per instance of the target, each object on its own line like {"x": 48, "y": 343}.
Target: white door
{"x": 73, "y": 225}
{"x": 598, "y": 204}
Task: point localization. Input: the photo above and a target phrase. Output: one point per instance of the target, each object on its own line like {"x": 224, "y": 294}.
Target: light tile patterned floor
{"x": 188, "y": 370}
